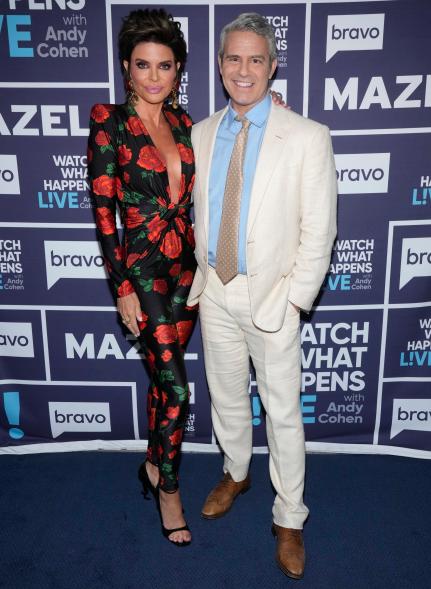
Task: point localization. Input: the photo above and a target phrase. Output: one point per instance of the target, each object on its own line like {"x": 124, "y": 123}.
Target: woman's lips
{"x": 153, "y": 89}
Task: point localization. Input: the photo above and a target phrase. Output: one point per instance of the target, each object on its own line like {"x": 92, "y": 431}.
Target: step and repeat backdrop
{"x": 71, "y": 377}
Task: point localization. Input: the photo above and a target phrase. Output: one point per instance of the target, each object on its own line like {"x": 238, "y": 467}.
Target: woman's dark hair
{"x": 151, "y": 26}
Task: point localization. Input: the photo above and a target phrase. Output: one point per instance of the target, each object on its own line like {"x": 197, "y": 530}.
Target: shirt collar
{"x": 258, "y": 115}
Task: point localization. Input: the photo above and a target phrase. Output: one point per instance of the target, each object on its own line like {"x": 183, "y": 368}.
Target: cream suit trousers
{"x": 229, "y": 339}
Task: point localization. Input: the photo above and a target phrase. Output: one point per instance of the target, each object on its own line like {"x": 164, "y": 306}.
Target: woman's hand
{"x": 130, "y": 311}
{"x": 278, "y": 99}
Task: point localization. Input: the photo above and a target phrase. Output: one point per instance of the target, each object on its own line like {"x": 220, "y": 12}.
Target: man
{"x": 265, "y": 207}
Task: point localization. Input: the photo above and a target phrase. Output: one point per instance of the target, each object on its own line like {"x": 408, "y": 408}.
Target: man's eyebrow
{"x": 250, "y": 56}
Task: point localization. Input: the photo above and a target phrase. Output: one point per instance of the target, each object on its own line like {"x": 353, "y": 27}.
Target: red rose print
{"x": 118, "y": 252}
{"x": 160, "y": 285}
{"x": 125, "y": 289}
{"x": 89, "y": 155}
{"x": 171, "y": 454}
{"x": 104, "y": 186}
{"x": 164, "y": 423}
{"x": 184, "y": 329}
{"x": 135, "y": 126}
{"x": 156, "y": 226}
{"x": 191, "y": 184}
{"x": 173, "y": 412}
{"x": 175, "y": 270}
{"x": 160, "y": 452}
{"x": 102, "y": 138}
{"x": 124, "y": 155}
{"x": 164, "y": 398}
{"x": 172, "y": 119}
{"x": 191, "y": 237}
{"x": 165, "y": 334}
{"x": 100, "y": 112}
{"x": 105, "y": 221}
{"x": 186, "y": 278}
{"x": 149, "y": 159}
{"x": 126, "y": 177}
{"x": 171, "y": 246}
{"x": 166, "y": 356}
{"x": 180, "y": 225}
{"x": 149, "y": 454}
{"x": 132, "y": 258}
{"x": 186, "y": 120}
{"x": 176, "y": 437}
{"x": 119, "y": 188}
{"x": 155, "y": 391}
{"x": 133, "y": 218}
{"x": 152, "y": 419}
{"x": 186, "y": 153}
{"x": 143, "y": 324}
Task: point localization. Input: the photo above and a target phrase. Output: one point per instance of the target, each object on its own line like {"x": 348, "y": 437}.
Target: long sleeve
{"x": 102, "y": 170}
{"x": 318, "y": 220}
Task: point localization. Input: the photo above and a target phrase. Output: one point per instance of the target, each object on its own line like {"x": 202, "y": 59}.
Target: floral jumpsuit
{"x": 156, "y": 260}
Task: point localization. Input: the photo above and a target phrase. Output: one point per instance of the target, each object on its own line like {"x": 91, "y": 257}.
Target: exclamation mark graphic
{"x": 11, "y": 407}
{"x": 256, "y": 407}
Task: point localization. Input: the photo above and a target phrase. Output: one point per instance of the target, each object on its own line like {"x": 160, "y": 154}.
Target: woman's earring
{"x": 132, "y": 97}
{"x": 174, "y": 98}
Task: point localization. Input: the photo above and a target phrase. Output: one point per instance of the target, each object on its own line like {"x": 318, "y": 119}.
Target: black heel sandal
{"x": 166, "y": 533}
{"x": 147, "y": 485}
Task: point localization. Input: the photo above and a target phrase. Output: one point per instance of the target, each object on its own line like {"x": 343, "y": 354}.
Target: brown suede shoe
{"x": 290, "y": 553}
{"x": 220, "y": 500}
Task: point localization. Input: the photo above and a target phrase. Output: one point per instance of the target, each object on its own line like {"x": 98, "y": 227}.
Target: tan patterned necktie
{"x": 227, "y": 243}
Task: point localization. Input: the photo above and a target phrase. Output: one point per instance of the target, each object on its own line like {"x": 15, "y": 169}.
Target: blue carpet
{"x": 78, "y": 521}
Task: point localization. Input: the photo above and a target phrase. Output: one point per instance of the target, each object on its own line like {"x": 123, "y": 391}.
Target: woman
{"x": 140, "y": 156}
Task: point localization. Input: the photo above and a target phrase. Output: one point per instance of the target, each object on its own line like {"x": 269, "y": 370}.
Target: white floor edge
{"x": 141, "y": 445}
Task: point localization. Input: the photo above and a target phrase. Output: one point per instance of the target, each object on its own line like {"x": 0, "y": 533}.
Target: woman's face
{"x": 153, "y": 71}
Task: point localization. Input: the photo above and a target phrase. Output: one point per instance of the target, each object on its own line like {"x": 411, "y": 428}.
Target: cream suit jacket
{"x": 292, "y": 217}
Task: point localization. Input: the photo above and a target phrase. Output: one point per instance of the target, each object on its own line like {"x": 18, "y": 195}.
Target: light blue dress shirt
{"x": 225, "y": 140}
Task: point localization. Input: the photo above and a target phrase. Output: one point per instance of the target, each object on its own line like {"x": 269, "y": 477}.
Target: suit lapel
{"x": 275, "y": 135}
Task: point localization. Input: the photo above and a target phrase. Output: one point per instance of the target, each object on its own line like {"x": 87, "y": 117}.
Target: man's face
{"x": 246, "y": 69}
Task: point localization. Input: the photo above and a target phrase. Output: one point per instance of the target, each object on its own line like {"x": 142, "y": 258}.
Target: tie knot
{"x": 244, "y": 122}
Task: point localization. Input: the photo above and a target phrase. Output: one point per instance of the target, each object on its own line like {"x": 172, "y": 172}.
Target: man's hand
{"x": 130, "y": 311}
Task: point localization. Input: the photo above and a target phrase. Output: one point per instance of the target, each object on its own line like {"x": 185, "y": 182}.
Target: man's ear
{"x": 273, "y": 67}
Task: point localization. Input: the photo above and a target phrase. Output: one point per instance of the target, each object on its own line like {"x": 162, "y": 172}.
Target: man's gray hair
{"x": 254, "y": 23}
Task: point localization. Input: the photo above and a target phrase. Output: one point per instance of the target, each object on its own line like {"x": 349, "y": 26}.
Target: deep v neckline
{"x": 163, "y": 162}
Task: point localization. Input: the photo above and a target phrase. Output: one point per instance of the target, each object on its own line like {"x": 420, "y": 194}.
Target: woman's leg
{"x": 166, "y": 326}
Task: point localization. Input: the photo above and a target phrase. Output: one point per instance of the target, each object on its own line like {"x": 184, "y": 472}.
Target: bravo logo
{"x": 9, "y": 179}
{"x": 79, "y": 417}
{"x": 415, "y": 259}
{"x": 16, "y": 339}
{"x": 411, "y": 414}
{"x": 73, "y": 259}
{"x": 362, "y": 173}
{"x": 354, "y": 32}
